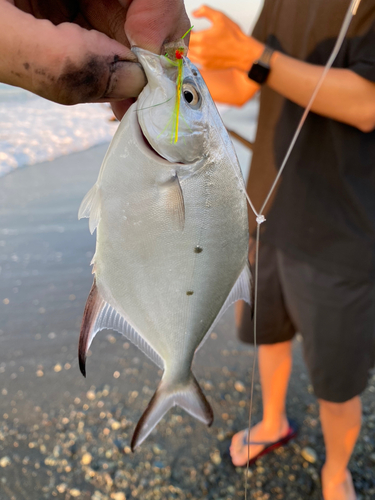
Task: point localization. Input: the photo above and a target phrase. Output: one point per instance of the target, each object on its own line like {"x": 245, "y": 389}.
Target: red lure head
{"x": 179, "y": 53}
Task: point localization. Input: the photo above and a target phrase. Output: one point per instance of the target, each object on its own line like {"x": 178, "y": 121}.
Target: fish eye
{"x": 190, "y": 94}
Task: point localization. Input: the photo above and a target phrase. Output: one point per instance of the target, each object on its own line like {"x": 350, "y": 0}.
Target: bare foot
{"x": 239, "y": 449}
{"x": 338, "y": 488}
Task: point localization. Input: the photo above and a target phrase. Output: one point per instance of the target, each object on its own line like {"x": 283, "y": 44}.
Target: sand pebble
{"x": 215, "y": 457}
{"x": 90, "y": 395}
{"x": 86, "y": 459}
{"x": 57, "y": 368}
{"x": 75, "y": 492}
{"x": 118, "y": 496}
{"x": 239, "y": 386}
{"x": 309, "y": 455}
{"x": 5, "y": 461}
{"x": 61, "y": 488}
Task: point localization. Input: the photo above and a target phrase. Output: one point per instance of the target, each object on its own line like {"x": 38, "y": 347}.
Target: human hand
{"x": 223, "y": 45}
{"x": 71, "y": 52}
{"x": 229, "y": 86}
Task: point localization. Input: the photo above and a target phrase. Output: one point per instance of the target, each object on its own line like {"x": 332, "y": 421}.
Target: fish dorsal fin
{"x": 90, "y": 208}
{"x": 242, "y": 290}
{"x": 100, "y": 315}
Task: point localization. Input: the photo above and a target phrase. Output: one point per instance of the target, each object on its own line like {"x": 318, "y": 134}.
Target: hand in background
{"x": 225, "y": 55}
{"x": 71, "y": 52}
{"x": 229, "y": 86}
{"x": 223, "y": 45}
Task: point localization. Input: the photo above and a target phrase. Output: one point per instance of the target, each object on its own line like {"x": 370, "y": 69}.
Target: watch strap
{"x": 260, "y": 69}
{"x": 265, "y": 58}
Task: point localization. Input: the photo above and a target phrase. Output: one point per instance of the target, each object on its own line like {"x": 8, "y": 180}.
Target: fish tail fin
{"x": 189, "y": 397}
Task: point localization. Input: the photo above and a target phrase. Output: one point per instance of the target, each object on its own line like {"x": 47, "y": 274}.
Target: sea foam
{"x": 33, "y": 129}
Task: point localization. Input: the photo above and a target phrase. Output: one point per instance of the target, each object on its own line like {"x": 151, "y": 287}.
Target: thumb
{"x": 65, "y": 63}
{"x": 150, "y": 24}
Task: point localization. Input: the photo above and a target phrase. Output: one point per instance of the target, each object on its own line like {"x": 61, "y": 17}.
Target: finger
{"x": 65, "y": 63}
{"x": 150, "y": 24}
{"x": 199, "y": 46}
{"x": 197, "y": 39}
{"x": 197, "y": 54}
{"x": 211, "y": 14}
{"x": 119, "y": 108}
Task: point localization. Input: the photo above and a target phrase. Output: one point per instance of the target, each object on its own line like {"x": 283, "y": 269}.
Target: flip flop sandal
{"x": 271, "y": 446}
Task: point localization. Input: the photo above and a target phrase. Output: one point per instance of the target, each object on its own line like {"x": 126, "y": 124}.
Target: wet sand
{"x": 63, "y": 436}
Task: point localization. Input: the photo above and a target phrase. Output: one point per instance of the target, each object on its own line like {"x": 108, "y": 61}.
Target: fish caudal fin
{"x": 189, "y": 397}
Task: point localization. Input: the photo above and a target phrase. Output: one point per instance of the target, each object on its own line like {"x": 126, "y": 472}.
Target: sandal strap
{"x": 245, "y": 442}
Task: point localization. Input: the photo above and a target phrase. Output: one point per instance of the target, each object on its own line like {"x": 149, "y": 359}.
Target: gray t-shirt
{"x": 324, "y": 209}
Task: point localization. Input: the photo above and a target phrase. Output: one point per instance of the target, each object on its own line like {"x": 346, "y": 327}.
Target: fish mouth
{"x": 148, "y": 145}
{"x": 143, "y": 142}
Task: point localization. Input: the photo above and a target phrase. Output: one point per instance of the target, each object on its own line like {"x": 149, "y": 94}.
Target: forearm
{"x": 343, "y": 96}
{"x": 64, "y": 63}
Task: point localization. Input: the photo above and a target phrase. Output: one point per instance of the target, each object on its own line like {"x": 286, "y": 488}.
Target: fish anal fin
{"x": 242, "y": 290}
{"x": 99, "y": 315}
{"x": 189, "y": 397}
{"x": 172, "y": 199}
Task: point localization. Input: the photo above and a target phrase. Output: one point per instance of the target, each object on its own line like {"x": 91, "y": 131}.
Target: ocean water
{"x": 33, "y": 129}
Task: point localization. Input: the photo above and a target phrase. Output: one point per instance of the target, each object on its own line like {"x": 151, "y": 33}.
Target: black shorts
{"x": 335, "y": 316}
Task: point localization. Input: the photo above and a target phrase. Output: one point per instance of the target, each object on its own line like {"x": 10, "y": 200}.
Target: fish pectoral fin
{"x": 242, "y": 290}
{"x": 189, "y": 397}
{"x": 91, "y": 207}
{"x": 172, "y": 199}
{"x": 99, "y": 315}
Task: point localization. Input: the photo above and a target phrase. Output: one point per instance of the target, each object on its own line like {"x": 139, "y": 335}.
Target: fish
{"x": 171, "y": 222}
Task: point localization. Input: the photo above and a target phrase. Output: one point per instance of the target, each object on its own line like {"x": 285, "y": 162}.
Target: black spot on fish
{"x": 26, "y": 65}
{"x": 198, "y": 249}
{"x": 40, "y": 71}
{"x": 190, "y": 292}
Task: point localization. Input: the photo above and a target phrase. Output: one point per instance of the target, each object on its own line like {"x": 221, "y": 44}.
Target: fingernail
{"x": 127, "y": 80}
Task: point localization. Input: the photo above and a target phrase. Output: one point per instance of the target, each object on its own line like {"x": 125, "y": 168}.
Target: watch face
{"x": 258, "y": 73}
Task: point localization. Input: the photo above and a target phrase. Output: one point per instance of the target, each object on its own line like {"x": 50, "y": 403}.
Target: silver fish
{"x": 172, "y": 234}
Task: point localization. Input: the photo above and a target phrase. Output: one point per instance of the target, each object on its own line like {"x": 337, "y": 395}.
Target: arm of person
{"x": 343, "y": 96}
{"x": 72, "y": 52}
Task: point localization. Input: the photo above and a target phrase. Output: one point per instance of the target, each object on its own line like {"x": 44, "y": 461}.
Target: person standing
{"x": 317, "y": 255}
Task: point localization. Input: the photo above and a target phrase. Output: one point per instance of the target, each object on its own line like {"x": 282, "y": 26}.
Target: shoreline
{"x": 63, "y": 436}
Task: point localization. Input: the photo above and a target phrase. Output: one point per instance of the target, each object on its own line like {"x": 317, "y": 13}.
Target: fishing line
{"x": 255, "y": 352}
{"x": 153, "y": 105}
{"x": 352, "y": 10}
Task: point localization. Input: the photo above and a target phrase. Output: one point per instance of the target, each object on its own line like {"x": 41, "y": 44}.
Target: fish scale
{"x": 172, "y": 235}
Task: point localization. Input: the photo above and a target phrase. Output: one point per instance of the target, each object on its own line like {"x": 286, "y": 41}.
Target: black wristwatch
{"x": 259, "y": 71}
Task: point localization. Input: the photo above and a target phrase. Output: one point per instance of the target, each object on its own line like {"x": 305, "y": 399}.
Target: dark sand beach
{"x": 63, "y": 436}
